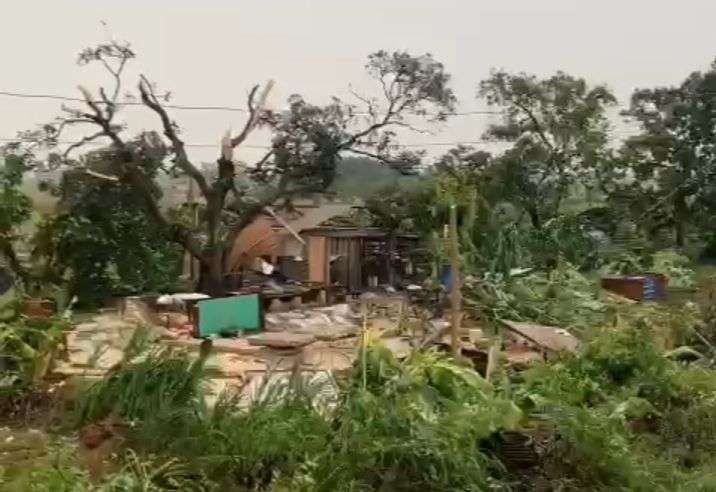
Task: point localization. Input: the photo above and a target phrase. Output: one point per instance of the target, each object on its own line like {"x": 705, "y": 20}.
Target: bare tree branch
{"x": 102, "y": 120}
{"x": 98, "y": 175}
{"x": 260, "y": 163}
{"x": 82, "y": 142}
{"x": 392, "y": 117}
{"x": 536, "y": 123}
{"x": 373, "y": 155}
{"x": 370, "y": 104}
{"x": 182, "y": 159}
{"x": 250, "y": 121}
{"x": 413, "y": 128}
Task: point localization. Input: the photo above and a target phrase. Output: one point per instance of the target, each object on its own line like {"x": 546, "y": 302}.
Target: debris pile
{"x": 326, "y": 323}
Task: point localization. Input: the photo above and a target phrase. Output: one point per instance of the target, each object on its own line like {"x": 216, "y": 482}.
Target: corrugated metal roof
{"x": 264, "y": 236}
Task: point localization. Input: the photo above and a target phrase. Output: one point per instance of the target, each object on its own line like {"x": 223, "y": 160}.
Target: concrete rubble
{"x": 23, "y": 448}
{"x": 98, "y": 344}
{"x": 328, "y": 323}
{"x": 281, "y": 340}
{"x": 312, "y": 340}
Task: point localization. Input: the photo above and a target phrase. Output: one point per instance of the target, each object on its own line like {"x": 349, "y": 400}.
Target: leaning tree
{"x": 305, "y": 145}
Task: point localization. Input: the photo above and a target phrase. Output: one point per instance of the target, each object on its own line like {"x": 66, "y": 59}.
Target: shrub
{"x": 27, "y": 347}
{"x": 562, "y": 297}
{"x": 415, "y": 425}
{"x": 676, "y": 267}
{"x": 154, "y": 383}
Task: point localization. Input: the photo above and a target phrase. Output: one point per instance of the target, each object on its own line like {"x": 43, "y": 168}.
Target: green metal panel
{"x": 230, "y": 315}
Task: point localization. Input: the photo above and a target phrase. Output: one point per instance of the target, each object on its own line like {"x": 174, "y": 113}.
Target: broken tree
{"x": 306, "y": 143}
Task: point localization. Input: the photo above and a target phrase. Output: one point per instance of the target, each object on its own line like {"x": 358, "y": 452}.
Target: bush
{"x": 676, "y": 267}
{"x": 562, "y": 297}
{"x": 416, "y": 425}
{"x": 252, "y": 448}
{"x": 150, "y": 384}
{"x": 401, "y": 426}
{"x": 616, "y": 416}
{"x": 560, "y": 239}
{"x": 563, "y": 237}
{"x": 27, "y": 347}
{"x": 624, "y": 417}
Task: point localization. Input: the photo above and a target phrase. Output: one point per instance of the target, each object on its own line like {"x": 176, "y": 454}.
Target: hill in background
{"x": 358, "y": 177}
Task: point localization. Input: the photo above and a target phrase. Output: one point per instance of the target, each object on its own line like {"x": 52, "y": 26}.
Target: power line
{"x": 251, "y": 146}
{"x": 24, "y": 95}
{"x": 267, "y": 147}
{"x": 183, "y": 107}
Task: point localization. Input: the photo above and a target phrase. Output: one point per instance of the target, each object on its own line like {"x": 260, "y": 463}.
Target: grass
{"x": 618, "y": 415}
{"x": 145, "y": 384}
{"x": 418, "y": 424}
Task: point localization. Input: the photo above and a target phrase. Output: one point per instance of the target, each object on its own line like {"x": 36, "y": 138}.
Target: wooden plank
{"x": 285, "y": 225}
{"x": 545, "y": 337}
{"x": 317, "y": 261}
{"x": 355, "y": 280}
{"x": 281, "y": 340}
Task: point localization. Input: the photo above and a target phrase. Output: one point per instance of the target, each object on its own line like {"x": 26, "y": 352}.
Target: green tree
{"x": 101, "y": 241}
{"x": 666, "y": 176}
{"x": 306, "y": 143}
{"x": 15, "y": 209}
{"x": 559, "y": 133}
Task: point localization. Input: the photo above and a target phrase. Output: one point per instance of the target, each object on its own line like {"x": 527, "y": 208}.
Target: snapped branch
{"x": 150, "y": 100}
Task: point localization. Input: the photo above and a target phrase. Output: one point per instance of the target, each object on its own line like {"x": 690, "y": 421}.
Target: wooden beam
{"x": 455, "y": 292}
{"x": 284, "y": 224}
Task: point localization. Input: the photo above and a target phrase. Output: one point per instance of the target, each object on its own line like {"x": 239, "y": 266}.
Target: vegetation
{"x": 153, "y": 384}
{"x": 15, "y": 208}
{"x": 633, "y": 409}
{"x": 618, "y": 415}
{"x": 27, "y": 347}
{"x": 100, "y": 243}
{"x": 559, "y": 132}
{"x": 665, "y": 176}
{"x": 677, "y": 268}
{"x": 307, "y": 142}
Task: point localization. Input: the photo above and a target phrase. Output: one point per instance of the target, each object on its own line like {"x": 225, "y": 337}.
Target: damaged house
{"x": 322, "y": 241}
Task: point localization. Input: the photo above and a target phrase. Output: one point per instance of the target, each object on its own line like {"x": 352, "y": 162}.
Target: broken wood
{"x": 282, "y": 340}
{"x": 285, "y": 225}
{"x": 549, "y": 338}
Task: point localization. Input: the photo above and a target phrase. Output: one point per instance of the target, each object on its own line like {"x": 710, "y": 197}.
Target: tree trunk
{"x": 680, "y": 213}
{"x": 8, "y": 251}
{"x": 534, "y": 217}
{"x": 211, "y": 274}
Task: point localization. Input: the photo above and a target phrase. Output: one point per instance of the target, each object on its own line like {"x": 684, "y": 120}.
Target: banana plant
{"x": 27, "y": 351}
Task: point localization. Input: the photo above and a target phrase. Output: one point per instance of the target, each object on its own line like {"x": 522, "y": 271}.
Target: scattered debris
{"x": 283, "y": 340}
{"x": 544, "y": 337}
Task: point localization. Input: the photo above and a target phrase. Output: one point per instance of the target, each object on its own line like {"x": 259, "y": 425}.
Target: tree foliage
{"x": 307, "y": 141}
{"x": 666, "y": 177}
{"x": 101, "y": 242}
{"x": 15, "y": 209}
{"x": 558, "y": 130}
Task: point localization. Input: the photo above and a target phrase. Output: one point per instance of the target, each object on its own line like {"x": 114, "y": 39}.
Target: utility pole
{"x": 194, "y": 223}
{"x": 455, "y": 284}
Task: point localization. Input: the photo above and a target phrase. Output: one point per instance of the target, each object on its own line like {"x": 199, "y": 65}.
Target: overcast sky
{"x": 210, "y": 52}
